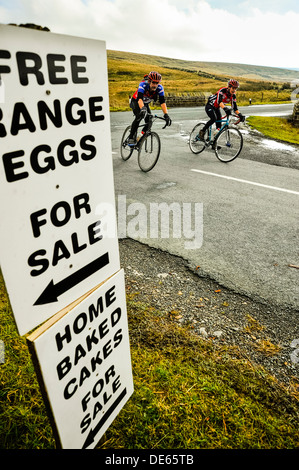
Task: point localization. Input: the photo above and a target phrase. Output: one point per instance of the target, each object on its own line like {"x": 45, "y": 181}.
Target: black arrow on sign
{"x": 93, "y": 432}
{"x": 53, "y": 291}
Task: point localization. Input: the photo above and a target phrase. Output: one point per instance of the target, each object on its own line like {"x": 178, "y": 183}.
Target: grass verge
{"x": 189, "y": 394}
{"x": 23, "y": 419}
{"x": 275, "y": 127}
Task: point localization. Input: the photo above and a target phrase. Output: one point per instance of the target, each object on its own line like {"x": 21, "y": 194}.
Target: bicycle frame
{"x": 148, "y": 146}
{"x": 150, "y": 123}
{"x": 229, "y": 139}
{"x": 226, "y": 123}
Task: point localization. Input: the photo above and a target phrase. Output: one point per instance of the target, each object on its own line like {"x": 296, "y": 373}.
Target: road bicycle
{"x": 148, "y": 145}
{"x": 227, "y": 142}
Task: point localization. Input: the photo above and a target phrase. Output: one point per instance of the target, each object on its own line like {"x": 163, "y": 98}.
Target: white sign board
{"x": 84, "y": 363}
{"x": 55, "y": 171}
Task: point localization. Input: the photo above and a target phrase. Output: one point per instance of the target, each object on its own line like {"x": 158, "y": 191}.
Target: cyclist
{"x": 219, "y": 100}
{"x": 150, "y": 89}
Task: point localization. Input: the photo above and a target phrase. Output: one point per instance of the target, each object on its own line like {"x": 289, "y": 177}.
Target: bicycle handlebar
{"x": 227, "y": 117}
{"x": 158, "y": 117}
{"x": 237, "y": 116}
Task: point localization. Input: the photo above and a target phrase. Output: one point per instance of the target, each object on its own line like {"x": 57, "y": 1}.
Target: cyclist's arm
{"x": 164, "y": 108}
{"x": 140, "y": 103}
{"x": 234, "y": 105}
{"x": 140, "y": 100}
{"x": 163, "y": 104}
{"x": 236, "y": 111}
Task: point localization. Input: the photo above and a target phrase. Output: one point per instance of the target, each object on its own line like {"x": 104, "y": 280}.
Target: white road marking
{"x": 246, "y": 181}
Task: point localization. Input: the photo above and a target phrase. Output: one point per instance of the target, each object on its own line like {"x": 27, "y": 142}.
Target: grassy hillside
{"x": 124, "y": 77}
{"x": 245, "y": 71}
{"x": 125, "y": 71}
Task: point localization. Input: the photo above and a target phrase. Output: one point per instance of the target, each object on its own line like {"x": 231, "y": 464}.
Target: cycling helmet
{"x": 154, "y": 77}
{"x": 233, "y": 83}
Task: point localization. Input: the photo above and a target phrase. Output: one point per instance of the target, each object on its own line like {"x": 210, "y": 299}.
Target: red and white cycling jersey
{"x": 223, "y": 96}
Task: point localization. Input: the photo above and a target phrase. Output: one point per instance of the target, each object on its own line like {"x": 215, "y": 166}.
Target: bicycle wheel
{"x": 228, "y": 144}
{"x": 125, "y": 150}
{"x": 196, "y": 145}
{"x": 149, "y": 152}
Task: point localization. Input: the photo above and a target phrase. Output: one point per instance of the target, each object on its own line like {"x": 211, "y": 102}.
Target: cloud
{"x": 192, "y": 30}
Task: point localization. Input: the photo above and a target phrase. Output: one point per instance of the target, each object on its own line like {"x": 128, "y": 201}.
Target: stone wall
{"x": 185, "y": 100}
{"x": 295, "y": 116}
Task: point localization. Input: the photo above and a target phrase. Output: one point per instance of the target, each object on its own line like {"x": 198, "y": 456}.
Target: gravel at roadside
{"x": 266, "y": 334}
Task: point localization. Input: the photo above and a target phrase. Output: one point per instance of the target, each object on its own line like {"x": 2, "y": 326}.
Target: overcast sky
{"x": 258, "y": 32}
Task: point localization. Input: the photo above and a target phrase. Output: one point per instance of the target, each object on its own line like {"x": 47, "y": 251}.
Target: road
{"x": 236, "y": 223}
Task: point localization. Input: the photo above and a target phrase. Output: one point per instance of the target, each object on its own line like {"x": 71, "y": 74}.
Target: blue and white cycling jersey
{"x": 148, "y": 95}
